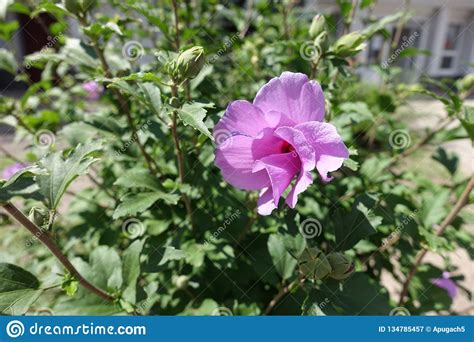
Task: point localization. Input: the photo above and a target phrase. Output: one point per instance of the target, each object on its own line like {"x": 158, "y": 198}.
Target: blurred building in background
{"x": 441, "y": 30}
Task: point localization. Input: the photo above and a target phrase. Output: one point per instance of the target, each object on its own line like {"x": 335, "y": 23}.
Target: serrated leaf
{"x": 7, "y": 61}
{"x": 62, "y": 172}
{"x": 104, "y": 263}
{"x": 138, "y": 178}
{"x": 131, "y": 270}
{"x": 356, "y": 225}
{"x": 358, "y": 295}
{"x": 152, "y": 96}
{"x": 468, "y": 122}
{"x": 170, "y": 254}
{"x": 138, "y": 203}
{"x": 284, "y": 263}
{"x": 193, "y": 114}
{"x": 21, "y": 184}
{"x": 19, "y": 289}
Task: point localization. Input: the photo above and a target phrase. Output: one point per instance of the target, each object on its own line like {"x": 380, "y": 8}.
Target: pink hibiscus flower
{"x": 446, "y": 283}
{"x": 93, "y": 90}
{"x": 281, "y": 136}
{"x": 10, "y": 170}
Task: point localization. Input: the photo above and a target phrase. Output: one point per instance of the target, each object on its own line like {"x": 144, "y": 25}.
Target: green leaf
{"x": 138, "y": 203}
{"x": 7, "y": 61}
{"x": 358, "y": 224}
{"x": 131, "y": 270}
{"x": 172, "y": 253}
{"x": 69, "y": 285}
{"x": 193, "y": 114}
{"x": 19, "y": 289}
{"x": 379, "y": 25}
{"x": 138, "y": 178}
{"x": 468, "y": 122}
{"x": 282, "y": 260}
{"x": 106, "y": 268}
{"x": 434, "y": 206}
{"x": 75, "y": 54}
{"x": 152, "y": 96}
{"x": 61, "y": 173}
{"x": 21, "y": 184}
{"x": 358, "y": 295}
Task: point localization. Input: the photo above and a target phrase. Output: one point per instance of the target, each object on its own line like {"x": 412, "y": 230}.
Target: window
{"x": 450, "y": 51}
{"x": 451, "y": 37}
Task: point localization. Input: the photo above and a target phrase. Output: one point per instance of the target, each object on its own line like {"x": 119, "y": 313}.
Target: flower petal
{"x": 446, "y": 284}
{"x": 302, "y": 183}
{"x": 294, "y": 95}
{"x": 265, "y": 203}
{"x": 241, "y": 118}
{"x": 328, "y": 146}
{"x": 235, "y": 159}
{"x": 281, "y": 169}
{"x": 297, "y": 139}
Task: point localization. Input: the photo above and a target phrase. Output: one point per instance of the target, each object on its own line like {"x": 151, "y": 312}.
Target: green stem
{"x": 180, "y": 156}
{"x": 44, "y": 237}
{"x": 281, "y": 294}
{"x": 446, "y": 222}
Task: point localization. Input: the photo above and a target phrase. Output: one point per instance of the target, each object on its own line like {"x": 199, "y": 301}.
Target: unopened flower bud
{"x": 317, "y": 26}
{"x": 79, "y": 6}
{"x": 189, "y": 63}
{"x": 313, "y": 264}
{"x": 349, "y": 44}
{"x": 341, "y": 266}
{"x": 321, "y": 41}
{"x": 38, "y": 216}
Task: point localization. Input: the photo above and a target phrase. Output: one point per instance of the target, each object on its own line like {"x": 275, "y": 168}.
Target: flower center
{"x": 286, "y": 147}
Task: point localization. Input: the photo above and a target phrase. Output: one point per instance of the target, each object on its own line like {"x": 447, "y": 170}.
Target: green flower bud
{"x": 321, "y": 42}
{"x": 317, "y": 26}
{"x": 189, "y": 63}
{"x": 38, "y": 216}
{"x": 349, "y": 44}
{"x": 79, "y": 6}
{"x": 341, "y": 266}
{"x": 313, "y": 264}
{"x": 73, "y": 6}
{"x": 466, "y": 83}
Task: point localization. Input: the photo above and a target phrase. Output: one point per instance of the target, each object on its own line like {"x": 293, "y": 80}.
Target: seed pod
{"x": 313, "y": 264}
{"x": 341, "y": 266}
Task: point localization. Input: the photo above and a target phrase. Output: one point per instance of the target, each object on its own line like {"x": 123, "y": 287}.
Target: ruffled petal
{"x": 235, "y": 159}
{"x": 265, "y": 203}
{"x": 240, "y": 118}
{"x": 328, "y": 146}
{"x": 302, "y": 183}
{"x": 294, "y": 95}
{"x": 301, "y": 146}
{"x": 281, "y": 169}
